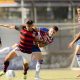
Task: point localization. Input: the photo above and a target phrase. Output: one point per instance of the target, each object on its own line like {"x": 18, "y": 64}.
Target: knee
{"x": 26, "y": 65}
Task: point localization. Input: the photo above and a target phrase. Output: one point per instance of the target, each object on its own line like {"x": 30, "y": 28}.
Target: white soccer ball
{"x": 10, "y": 74}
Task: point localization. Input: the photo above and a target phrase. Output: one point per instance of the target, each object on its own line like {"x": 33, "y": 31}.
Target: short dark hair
{"x": 30, "y": 22}
{"x": 55, "y": 28}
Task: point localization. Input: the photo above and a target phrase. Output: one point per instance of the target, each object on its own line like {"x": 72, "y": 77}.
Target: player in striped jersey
{"x": 38, "y": 56}
{"x": 47, "y": 36}
{"x": 24, "y": 47}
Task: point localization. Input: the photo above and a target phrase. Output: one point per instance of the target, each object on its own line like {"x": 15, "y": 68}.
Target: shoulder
{"x": 35, "y": 32}
{"x": 20, "y": 27}
{"x": 44, "y": 29}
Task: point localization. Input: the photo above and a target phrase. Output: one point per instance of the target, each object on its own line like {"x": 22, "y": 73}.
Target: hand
{"x": 8, "y": 26}
{"x": 41, "y": 44}
{"x": 70, "y": 45}
{"x": 11, "y": 27}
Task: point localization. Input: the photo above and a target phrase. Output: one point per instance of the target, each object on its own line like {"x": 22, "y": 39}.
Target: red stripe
{"x": 26, "y": 46}
{"x": 27, "y": 32}
{"x": 26, "y": 43}
{"x": 26, "y": 38}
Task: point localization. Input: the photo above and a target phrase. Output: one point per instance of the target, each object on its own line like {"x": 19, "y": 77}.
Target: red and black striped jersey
{"x": 26, "y": 40}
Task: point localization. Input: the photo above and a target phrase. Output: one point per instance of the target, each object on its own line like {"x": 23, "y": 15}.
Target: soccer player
{"x": 77, "y": 48}
{"x": 47, "y": 33}
{"x": 47, "y": 36}
{"x": 77, "y": 40}
{"x": 24, "y": 47}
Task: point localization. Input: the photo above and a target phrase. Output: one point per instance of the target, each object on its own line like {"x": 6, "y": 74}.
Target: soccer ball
{"x": 10, "y": 74}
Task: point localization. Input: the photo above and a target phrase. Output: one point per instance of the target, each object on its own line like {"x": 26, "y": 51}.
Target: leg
{"x": 26, "y": 60}
{"x": 10, "y": 56}
{"x": 25, "y": 68}
{"x": 38, "y": 67}
{"x": 37, "y": 56}
{"x": 76, "y": 51}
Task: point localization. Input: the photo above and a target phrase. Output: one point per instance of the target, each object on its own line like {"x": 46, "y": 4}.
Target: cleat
{"x": 2, "y": 73}
{"x": 78, "y": 76}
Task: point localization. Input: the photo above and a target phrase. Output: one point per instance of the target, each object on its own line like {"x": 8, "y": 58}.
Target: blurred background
{"x": 45, "y": 13}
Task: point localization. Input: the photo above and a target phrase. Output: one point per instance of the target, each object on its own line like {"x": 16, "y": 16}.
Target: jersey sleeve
{"x": 20, "y": 27}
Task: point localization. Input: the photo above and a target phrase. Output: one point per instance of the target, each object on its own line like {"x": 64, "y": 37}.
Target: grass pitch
{"x": 58, "y": 74}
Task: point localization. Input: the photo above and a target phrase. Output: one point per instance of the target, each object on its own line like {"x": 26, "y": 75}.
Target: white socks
{"x": 38, "y": 66}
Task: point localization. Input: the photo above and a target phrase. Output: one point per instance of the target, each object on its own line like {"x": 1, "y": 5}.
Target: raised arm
{"x": 16, "y": 27}
{"x": 15, "y": 45}
{"x": 7, "y": 26}
{"x": 76, "y": 38}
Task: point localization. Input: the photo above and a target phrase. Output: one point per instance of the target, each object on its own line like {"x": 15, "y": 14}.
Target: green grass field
{"x": 58, "y": 74}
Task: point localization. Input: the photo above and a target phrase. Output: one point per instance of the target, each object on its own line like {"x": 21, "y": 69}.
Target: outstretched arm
{"x": 7, "y": 26}
{"x": 77, "y": 37}
{"x": 15, "y": 45}
{"x": 18, "y": 27}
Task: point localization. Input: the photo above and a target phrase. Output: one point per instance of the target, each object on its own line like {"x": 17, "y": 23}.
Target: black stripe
{"x": 28, "y": 50}
{"x": 27, "y": 41}
{"x": 25, "y": 48}
{"x": 26, "y": 35}
{"x": 25, "y": 51}
{"x": 30, "y": 44}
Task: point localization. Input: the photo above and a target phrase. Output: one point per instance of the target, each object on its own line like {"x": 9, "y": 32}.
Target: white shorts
{"x": 25, "y": 56}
